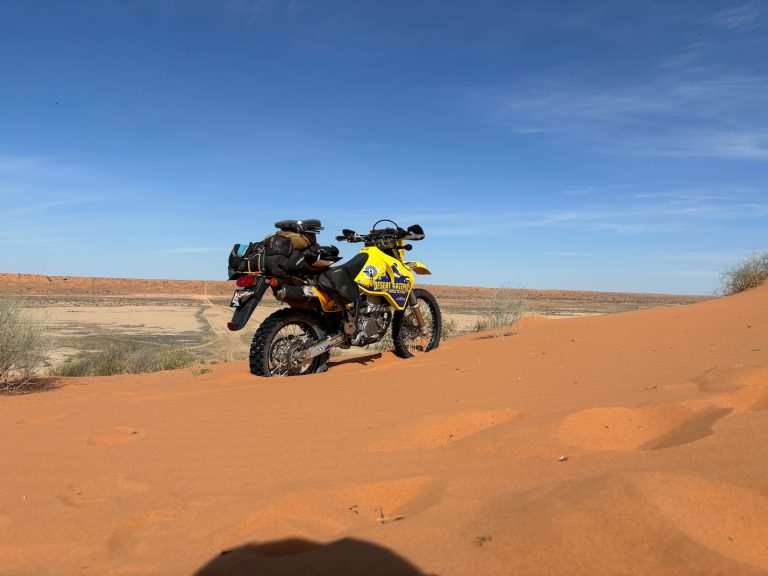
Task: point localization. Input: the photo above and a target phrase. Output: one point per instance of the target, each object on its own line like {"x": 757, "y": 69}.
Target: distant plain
{"x": 90, "y": 313}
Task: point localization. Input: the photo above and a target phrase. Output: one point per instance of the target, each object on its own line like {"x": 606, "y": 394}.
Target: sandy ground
{"x": 630, "y": 443}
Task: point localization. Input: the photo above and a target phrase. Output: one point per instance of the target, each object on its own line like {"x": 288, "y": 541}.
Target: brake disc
{"x": 294, "y": 356}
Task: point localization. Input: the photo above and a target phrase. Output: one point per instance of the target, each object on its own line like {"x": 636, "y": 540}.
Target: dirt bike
{"x": 353, "y": 304}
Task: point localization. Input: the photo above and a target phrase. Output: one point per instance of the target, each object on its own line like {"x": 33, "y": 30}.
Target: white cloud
{"x": 693, "y": 114}
{"x": 614, "y": 210}
{"x": 578, "y": 191}
{"x": 714, "y": 258}
{"x": 688, "y": 273}
{"x": 21, "y": 165}
{"x": 746, "y": 144}
{"x": 34, "y": 208}
{"x": 746, "y": 15}
{"x": 570, "y": 254}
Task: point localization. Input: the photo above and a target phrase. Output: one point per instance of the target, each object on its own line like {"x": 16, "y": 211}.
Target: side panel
{"x": 387, "y": 277}
{"x": 327, "y": 303}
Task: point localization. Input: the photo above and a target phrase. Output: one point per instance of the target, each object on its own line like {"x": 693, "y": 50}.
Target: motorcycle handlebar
{"x": 358, "y": 238}
{"x": 378, "y": 235}
{"x": 351, "y": 238}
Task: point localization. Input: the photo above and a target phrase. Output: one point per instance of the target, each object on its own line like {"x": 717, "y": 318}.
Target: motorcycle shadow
{"x": 363, "y": 360}
{"x": 293, "y": 556}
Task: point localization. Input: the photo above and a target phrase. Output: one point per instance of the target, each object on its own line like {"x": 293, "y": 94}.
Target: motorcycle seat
{"x": 353, "y": 266}
{"x": 340, "y": 280}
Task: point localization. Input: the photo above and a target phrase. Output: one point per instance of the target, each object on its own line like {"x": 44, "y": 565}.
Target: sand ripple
{"x": 437, "y": 431}
{"x": 652, "y": 428}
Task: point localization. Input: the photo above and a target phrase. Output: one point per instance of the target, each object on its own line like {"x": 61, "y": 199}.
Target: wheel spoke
{"x": 416, "y": 342}
{"x": 290, "y": 339}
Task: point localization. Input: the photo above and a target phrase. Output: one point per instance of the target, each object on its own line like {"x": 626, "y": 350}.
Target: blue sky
{"x": 605, "y": 145}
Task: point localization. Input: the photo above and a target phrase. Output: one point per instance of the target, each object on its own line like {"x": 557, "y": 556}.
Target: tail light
{"x": 274, "y": 282}
{"x": 245, "y": 281}
{"x": 232, "y": 326}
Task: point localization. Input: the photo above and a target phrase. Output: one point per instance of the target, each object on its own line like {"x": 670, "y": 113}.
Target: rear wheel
{"x": 277, "y": 345}
{"x": 408, "y": 339}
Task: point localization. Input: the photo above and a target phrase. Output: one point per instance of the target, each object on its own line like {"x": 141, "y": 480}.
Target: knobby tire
{"x": 400, "y": 325}
{"x": 262, "y": 340}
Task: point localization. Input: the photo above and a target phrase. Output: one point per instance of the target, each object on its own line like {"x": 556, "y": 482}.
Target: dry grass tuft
{"x": 125, "y": 358}
{"x": 505, "y": 308}
{"x": 449, "y": 329}
{"x": 23, "y": 345}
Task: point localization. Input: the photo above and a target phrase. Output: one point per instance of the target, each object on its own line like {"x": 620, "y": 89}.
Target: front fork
{"x": 416, "y": 307}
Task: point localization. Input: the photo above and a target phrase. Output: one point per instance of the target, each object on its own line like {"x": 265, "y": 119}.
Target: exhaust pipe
{"x": 295, "y": 293}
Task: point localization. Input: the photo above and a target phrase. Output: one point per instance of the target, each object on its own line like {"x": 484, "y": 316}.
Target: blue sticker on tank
{"x": 370, "y": 271}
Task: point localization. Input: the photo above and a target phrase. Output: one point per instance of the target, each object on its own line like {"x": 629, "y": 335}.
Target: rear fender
{"x": 245, "y": 310}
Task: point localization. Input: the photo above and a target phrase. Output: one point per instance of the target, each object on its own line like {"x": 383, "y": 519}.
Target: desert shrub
{"x": 125, "y": 358}
{"x": 449, "y": 329}
{"x": 749, "y": 273}
{"x": 385, "y": 344}
{"x": 23, "y": 344}
{"x": 503, "y": 310}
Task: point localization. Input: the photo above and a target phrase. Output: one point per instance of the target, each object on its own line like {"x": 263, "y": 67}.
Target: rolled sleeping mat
{"x": 300, "y": 240}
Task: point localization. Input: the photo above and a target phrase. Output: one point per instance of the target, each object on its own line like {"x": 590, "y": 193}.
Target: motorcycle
{"x": 352, "y": 304}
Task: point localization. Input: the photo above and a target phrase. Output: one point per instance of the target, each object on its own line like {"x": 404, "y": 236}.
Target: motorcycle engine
{"x": 372, "y": 322}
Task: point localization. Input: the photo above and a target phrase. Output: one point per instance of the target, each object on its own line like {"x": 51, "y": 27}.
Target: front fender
{"x": 418, "y": 267}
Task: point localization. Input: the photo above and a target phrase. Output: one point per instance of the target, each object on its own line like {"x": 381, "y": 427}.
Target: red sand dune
{"x": 623, "y": 444}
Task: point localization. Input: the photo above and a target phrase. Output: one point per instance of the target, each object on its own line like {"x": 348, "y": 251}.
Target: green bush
{"x": 23, "y": 344}
{"x": 749, "y": 273}
{"x": 125, "y": 358}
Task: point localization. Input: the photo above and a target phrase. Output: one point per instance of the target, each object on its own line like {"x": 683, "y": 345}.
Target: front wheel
{"x": 408, "y": 339}
{"x": 277, "y": 346}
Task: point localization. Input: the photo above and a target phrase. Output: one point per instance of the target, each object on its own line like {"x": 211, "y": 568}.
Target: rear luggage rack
{"x": 299, "y": 226}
